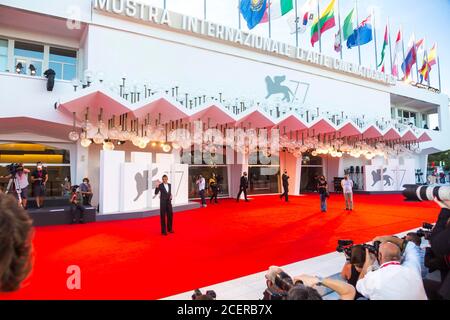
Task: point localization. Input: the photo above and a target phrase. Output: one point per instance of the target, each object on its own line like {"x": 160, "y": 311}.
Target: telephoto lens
{"x": 414, "y": 192}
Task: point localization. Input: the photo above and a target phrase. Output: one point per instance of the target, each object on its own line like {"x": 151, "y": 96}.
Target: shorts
{"x": 23, "y": 193}
{"x": 39, "y": 191}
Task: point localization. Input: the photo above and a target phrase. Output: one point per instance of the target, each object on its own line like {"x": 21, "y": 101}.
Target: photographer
{"x": 353, "y": 267}
{"x": 39, "y": 178}
{"x": 280, "y": 286}
{"x": 21, "y": 177}
{"x": 440, "y": 247}
{"x": 399, "y": 275}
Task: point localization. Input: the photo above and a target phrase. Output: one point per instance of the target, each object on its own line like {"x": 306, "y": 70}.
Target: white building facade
{"x": 168, "y": 69}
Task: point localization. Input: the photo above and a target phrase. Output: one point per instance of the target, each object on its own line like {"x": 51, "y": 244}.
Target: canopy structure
{"x": 162, "y": 108}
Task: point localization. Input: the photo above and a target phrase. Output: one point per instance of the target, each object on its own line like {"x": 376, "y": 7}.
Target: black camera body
{"x": 283, "y": 283}
{"x": 13, "y": 168}
{"x": 345, "y": 246}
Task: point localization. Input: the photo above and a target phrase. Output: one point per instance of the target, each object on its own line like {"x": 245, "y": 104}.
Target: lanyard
{"x": 390, "y": 263}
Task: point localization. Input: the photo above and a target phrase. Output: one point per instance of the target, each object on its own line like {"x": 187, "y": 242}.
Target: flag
{"x": 432, "y": 55}
{"x": 382, "y": 69}
{"x": 278, "y": 8}
{"x": 426, "y": 68}
{"x": 347, "y": 28}
{"x": 337, "y": 42}
{"x": 385, "y": 44}
{"x": 252, "y": 11}
{"x": 411, "y": 58}
{"x": 326, "y": 22}
{"x": 397, "y": 52}
{"x": 305, "y": 17}
{"x": 362, "y": 35}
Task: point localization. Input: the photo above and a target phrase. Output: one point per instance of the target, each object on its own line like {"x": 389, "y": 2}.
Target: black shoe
{"x": 164, "y": 233}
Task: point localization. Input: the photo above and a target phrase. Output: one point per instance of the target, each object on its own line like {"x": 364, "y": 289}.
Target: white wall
{"x": 142, "y": 57}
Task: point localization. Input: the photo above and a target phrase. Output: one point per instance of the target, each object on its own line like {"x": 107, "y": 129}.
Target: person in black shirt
{"x": 39, "y": 178}
{"x": 285, "y": 181}
{"x": 322, "y": 187}
{"x": 243, "y": 187}
{"x": 165, "y": 205}
{"x": 353, "y": 267}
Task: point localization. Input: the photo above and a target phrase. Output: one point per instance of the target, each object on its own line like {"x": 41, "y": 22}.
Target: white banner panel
{"x": 134, "y": 186}
{"x": 109, "y": 197}
{"x": 141, "y": 157}
{"x": 180, "y": 183}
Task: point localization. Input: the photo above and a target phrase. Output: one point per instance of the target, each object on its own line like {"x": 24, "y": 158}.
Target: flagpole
{"x": 204, "y": 9}
{"x": 439, "y": 70}
{"x": 357, "y": 31}
{"x": 389, "y": 39}
{"x": 403, "y": 49}
{"x": 296, "y": 23}
{"x": 429, "y": 71}
{"x": 375, "y": 38}
{"x": 270, "y": 18}
{"x": 318, "y": 26}
{"x": 239, "y": 13}
{"x": 417, "y": 57}
{"x": 340, "y": 29}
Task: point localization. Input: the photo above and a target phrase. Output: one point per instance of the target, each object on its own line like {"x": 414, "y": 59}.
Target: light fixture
{"x": 142, "y": 145}
{"x": 166, "y": 148}
{"x": 153, "y": 144}
{"x": 85, "y": 142}
{"x": 108, "y": 145}
{"x": 74, "y": 135}
{"x": 99, "y": 138}
{"x": 32, "y": 70}
{"x": 19, "y": 67}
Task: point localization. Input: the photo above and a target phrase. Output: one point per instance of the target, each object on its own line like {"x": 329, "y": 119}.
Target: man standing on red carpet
{"x": 243, "y": 187}
{"x": 165, "y": 205}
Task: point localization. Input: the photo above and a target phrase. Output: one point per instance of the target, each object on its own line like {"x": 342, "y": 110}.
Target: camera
{"x": 425, "y": 232}
{"x": 345, "y": 246}
{"x": 283, "y": 283}
{"x": 13, "y": 168}
{"x": 210, "y": 295}
{"x": 414, "y": 192}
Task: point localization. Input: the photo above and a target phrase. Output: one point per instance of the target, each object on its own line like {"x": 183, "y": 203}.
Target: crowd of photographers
{"x": 390, "y": 268}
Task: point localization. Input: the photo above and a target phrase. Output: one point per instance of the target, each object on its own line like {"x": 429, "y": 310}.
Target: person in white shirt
{"x": 201, "y": 183}
{"x": 396, "y": 278}
{"x": 347, "y": 189}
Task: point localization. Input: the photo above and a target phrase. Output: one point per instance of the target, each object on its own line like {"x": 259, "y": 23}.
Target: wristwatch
{"x": 320, "y": 281}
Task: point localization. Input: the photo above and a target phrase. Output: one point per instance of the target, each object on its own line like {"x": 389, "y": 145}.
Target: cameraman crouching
{"x": 280, "y": 286}
{"x": 440, "y": 248}
{"x": 21, "y": 177}
{"x": 399, "y": 275}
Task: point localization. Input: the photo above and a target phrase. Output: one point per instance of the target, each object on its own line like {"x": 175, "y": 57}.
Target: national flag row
{"x": 262, "y": 11}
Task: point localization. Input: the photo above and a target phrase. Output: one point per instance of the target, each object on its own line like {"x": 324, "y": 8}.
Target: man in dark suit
{"x": 165, "y": 204}
{"x": 285, "y": 181}
{"x": 243, "y": 187}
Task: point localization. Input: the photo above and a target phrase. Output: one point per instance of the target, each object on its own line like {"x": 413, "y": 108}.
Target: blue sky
{"x": 426, "y": 19}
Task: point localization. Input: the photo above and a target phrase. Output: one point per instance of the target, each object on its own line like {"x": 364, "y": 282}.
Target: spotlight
{"x": 121, "y": 142}
{"x": 19, "y": 67}
{"x": 153, "y": 144}
{"x": 166, "y": 148}
{"x": 32, "y": 70}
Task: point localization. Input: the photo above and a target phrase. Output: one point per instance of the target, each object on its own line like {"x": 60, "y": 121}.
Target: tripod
{"x": 18, "y": 189}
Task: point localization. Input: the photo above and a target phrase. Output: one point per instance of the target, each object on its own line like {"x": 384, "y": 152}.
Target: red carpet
{"x": 130, "y": 260}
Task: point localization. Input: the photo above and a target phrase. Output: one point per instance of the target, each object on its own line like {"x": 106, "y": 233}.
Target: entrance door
{"x": 312, "y": 168}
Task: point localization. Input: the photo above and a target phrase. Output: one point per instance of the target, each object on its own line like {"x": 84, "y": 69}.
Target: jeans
{"x": 323, "y": 202}
{"x": 202, "y": 196}
{"x": 348, "y": 200}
